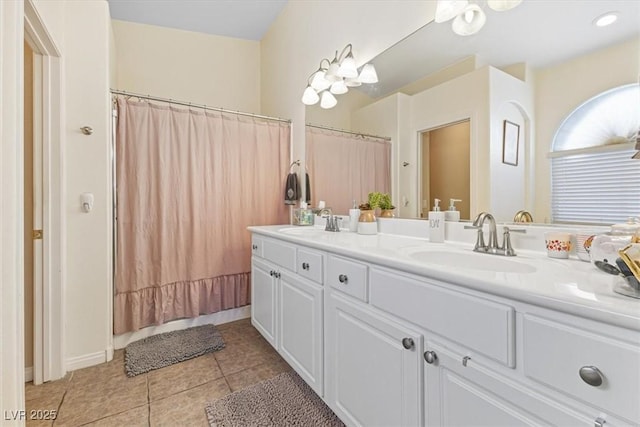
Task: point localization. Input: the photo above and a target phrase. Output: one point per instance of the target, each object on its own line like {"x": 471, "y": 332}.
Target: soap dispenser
{"x": 436, "y": 223}
{"x": 452, "y": 214}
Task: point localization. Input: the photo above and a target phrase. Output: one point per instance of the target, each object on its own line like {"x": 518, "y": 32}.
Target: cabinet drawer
{"x": 348, "y": 276}
{"x": 256, "y": 245}
{"x": 554, "y": 354}
{"x": 280, "y": 253}
{"x": 310, "y": 265}
{"x": 479, "y": 324}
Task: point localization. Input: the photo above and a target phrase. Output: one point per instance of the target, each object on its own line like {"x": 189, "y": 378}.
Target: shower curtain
{"x": 344, "y": 167}
{"x": 189, "y": 182}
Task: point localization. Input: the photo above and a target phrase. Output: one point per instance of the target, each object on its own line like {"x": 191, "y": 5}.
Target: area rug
{"x": 285, "y": 400}
{"x": 162, "y": 350}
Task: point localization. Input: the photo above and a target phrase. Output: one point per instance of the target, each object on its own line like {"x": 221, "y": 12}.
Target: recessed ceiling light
{"x": 606, "y": 19}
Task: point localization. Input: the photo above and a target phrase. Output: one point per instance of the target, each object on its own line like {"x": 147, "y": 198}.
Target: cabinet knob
{"x": 305, "y": 266}
{"x": 272, "y": 273}
{"x": 430, "y": 357}
{"x": 254, "y": 247}
{"x": 407, "y": 343}
{"x": 343, "y": 278}
{"x": 591, "y": 375}
{"x": 599, "y": 422}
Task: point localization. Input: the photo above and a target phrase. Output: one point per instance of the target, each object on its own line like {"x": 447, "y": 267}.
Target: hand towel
{"x": 291, "y": 189}
{"x": 308, "y": 187}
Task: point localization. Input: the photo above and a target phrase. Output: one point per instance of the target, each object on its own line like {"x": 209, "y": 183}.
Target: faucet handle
{"x": 337, "y": 220}
{"x": 514, "y": 230}
{"x": 506, "y": 240}
{"x": 472, "y": 227}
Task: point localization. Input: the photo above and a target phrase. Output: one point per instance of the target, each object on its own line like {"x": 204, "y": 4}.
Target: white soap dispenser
{"x": 354, "y": 214}
{"x": 436, "y": 223}
{"x": 452, "y": 214}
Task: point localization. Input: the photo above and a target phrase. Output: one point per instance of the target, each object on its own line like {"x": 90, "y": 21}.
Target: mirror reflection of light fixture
{"x": 468, "y": 18}
{"x": 470, "y": 21}
{"x": 335, "y": 78}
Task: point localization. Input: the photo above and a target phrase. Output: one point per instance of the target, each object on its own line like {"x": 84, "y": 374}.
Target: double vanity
{"x": 392, "y": 330}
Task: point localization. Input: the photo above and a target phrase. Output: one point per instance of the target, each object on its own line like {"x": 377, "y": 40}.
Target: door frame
{"x": 49, "y": 361}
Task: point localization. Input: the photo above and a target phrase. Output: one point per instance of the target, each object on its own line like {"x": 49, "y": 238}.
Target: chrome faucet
{"x": 492, "y": 247}
{"x": 332, "y": 223}
{"x": 523, "y": 216}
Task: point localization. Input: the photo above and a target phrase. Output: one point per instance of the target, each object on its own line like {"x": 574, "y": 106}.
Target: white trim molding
{"x": 28, "y": 374}
{"x": 86, "y": 360}
{"x": 11, "y": 211}
{"x": 49, "y": 361}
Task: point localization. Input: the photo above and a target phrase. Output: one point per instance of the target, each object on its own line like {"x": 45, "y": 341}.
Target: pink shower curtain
{"x": 188, "y": 185}
{"x": 343, "y": 167}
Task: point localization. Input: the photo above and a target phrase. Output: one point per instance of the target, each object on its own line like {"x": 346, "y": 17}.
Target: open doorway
{"x": 445, "y": 167}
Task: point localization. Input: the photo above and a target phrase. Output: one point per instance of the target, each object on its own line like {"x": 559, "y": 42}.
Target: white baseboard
{"x": 28, "y": 374}
{"x": 86, "y": 360}
{"x": 225, "y": 316}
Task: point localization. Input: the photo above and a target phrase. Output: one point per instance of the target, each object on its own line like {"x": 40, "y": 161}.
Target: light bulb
{"x": 470, "y": 21}
{"x": 319, "y": 82}
{"x": 332, "y": 71}
{"x": 327, "y": 100}
{"x": 310, "y": 96}
{"x": 502, "y": 5}
{"x": 449, "y": 9}
{"x": 368, "y": 74}
{"x": 338, "y": 87}
{"x": 348, "y": 67}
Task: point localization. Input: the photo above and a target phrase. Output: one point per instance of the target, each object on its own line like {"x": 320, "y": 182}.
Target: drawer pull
{"x": 277, "y": 275}
{"x": 305, "y": 266}
{"x": 272, "y": 273}
{"x": 465, "y": 360}
{"x": 407, "y": 343}
{"x": 343, "y": 278}
{"x": 591, "y": 375}
{"x": 430, "y": 357}
{"x": 254, "y": 247}
{"x": 599, "y": 422}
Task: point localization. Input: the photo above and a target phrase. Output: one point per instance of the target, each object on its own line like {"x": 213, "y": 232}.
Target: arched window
{"x": 593, "y": 176}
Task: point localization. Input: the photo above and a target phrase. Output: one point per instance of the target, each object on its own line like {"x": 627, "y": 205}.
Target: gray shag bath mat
{"x": 285, "y": 400}
{"x": 162, "y": 350}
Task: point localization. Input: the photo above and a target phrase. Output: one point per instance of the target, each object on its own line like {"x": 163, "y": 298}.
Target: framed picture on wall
{"x": 510, "y": 142}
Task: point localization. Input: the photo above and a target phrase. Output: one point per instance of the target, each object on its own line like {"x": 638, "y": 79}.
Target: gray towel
{"x": 308, "y": 188}
{"x": 291, "y": 189}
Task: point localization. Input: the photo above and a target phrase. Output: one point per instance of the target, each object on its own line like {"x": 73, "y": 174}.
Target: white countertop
{"x": 571, "y": 286}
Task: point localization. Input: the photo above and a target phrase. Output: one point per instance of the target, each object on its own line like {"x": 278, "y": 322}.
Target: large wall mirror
{"x": 530, "y": 66}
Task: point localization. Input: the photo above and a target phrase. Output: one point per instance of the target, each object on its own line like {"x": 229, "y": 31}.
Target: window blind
{"x": 597, "y": 188}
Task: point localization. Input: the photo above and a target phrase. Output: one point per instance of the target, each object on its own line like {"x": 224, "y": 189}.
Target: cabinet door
{"x": 372, "y": 379}
{"x": 300, "y": 327}
{"x": 459, "y": 394}
{"x": 264, "y": 299}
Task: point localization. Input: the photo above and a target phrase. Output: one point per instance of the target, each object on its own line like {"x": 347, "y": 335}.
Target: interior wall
{"x": 188, "y": 66}
{"x": 448, "y": 167}
{"x": 28, "y": 206}
{"x": 562, "y": 88}
{"x": 298, "y": 40}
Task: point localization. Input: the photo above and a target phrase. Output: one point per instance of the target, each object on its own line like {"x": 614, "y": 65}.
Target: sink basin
{"x": 304, "y": 231}
{"x": 473, "y": 261}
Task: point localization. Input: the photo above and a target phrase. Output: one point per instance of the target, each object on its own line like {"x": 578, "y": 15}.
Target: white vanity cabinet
{"x": 287, "y": 308}
{"x": 373, "y": 366}
{"x": 387, "y": 347}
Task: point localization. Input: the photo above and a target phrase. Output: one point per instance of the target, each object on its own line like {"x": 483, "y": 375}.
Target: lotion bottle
{"x": 452, "y": 214}
{"x": 436, "y": 223}
{"x": 354, "y": 214}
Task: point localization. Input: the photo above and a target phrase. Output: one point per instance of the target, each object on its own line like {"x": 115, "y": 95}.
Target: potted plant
{"x": 386, "y": 206}
{"x": 366, "y": 213}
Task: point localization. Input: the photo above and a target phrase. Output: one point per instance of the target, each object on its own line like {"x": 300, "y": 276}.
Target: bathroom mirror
{"x": 435, "y": 77}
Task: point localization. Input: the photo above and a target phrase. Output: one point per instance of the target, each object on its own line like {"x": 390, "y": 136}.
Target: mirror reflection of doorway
{"x": 444, "y": 167}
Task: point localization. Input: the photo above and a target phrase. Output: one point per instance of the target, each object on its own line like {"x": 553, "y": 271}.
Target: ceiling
{"x": 243, "y": 19}
{"x": 538, "y": 32}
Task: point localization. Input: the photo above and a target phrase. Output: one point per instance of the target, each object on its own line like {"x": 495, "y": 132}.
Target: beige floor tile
{"x": 242, "y": 323}
{"x": 241, "y": 356}
{"x": 254, "y": 375}
{"x": 187, "y": 408}
{"x": 99, "y": 394}
{"x": 183, "y": 376}
{"x": 37, "y": 392}
{"x": 104, "y": 371}
{"x": 132, "y": 418}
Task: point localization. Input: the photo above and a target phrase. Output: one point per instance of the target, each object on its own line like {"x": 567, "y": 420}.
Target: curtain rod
{"x": 190, "y": 104}
{"x": 386, "y": 138}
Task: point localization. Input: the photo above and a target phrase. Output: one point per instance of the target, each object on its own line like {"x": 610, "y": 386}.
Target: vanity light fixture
{"x": 606, "y": 19}
{"x": 335, "y": 78}
{"x": 469, "y": 18}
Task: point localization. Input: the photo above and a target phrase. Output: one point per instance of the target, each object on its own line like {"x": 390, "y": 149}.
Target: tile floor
{"x": 173, "y": 396}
